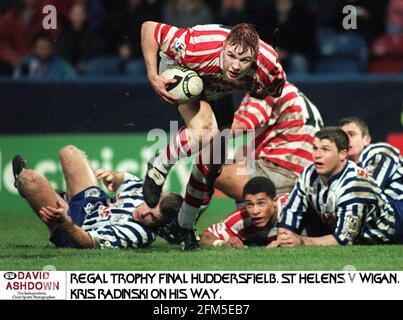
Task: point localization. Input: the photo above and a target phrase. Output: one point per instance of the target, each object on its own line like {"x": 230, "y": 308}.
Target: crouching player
{"x": 252, "y": 224}
{"x": 382, "y": 161}
{"x": 336, "y": 186}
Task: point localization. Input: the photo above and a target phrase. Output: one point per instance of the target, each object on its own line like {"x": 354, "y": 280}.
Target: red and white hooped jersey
{"x": 200, "y": 48}
{"x": 239, "y": 224}
{"x": 285, "y": 127}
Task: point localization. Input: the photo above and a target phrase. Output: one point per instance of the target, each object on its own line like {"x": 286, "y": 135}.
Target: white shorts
{"x": 284, "y": 180}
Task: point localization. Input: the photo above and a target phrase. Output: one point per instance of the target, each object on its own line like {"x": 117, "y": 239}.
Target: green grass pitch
{"x": 24, "y": 246}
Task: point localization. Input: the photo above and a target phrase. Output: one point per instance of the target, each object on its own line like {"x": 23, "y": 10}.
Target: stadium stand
{"x": 341, "y": 52}
{"x": 387, "y": 54}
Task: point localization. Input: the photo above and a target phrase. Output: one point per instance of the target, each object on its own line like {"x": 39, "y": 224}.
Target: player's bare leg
{"x": 77, "y": 170}
{"x": 201, "y": 126}
{"x": 231, "y": 180}
{"x": 34, "y": 187}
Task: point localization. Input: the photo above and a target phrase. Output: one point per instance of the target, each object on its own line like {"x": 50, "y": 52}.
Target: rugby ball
{"x": 188, "y": 85}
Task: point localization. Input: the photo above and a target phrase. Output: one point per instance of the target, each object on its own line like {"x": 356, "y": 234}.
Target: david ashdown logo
{"x": 10, "y": 275}
{"x": 32, "y": 281}
{"x": 30, "y": 285}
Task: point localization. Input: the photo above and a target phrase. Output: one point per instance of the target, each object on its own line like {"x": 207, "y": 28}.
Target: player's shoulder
{"x": 356, "y": 176}
{"x": 211, "y": 29}
{"x": 309, "y": 174}
{"x": 266, "y": 51}
{"x": 380, "y": 148}
{"x": 130, "y": 183}
{"x": 236, "y": 216}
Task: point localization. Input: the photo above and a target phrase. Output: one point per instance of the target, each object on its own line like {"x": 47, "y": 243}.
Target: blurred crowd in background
{"x": 102, "y": 37}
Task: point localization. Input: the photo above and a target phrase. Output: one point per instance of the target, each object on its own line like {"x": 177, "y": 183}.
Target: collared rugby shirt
{"x": 361, "y": 211}
{"x": 240, "y": 224}
{"x": 110, "y": 223}
{"x": 385, "y": 165}
{"x": 200, "y": 48}
{"x": 285, "y": 127}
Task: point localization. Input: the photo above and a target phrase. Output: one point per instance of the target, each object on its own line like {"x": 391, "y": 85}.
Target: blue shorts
{"x": 398, "y": 208}
{"x": 78, "y": 207}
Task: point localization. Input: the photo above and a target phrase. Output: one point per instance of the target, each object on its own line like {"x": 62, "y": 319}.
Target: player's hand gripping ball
{"x": 188, "y": 85}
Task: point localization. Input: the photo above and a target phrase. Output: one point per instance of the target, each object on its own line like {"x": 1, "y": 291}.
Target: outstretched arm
{"x": 150, "y": 49}
{"x": 208, "y": 239}
{"x": 287, "y": 238}
{"x": 60, "y": 217}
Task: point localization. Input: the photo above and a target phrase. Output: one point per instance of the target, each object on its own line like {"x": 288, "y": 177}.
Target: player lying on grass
{"x": 92, "y": 219}
{"x": 252, "y": 224}
{"x": 225, "y": 59}
{"x": 382, "y": 161}
{"x": 337, "y": 187}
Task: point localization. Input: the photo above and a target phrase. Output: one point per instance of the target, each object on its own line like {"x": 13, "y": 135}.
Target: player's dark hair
{"x": 169, "y": 207}
{"x": 359, "y": 122}
{"x": 335, "y": 135}
{"x": 245, "y": 36}
{"x": 259, "y": 184}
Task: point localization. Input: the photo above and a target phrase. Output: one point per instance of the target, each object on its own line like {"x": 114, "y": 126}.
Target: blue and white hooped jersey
{"x": 110, "y": 223}
{"x": 361, "y": 211}
{"x": 385, "y": 165}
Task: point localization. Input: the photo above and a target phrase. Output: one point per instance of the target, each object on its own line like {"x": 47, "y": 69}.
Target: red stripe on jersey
{"x": 262, "y": 111}
{"x": 168, "y": 152}
{"x": 286, "y": 164}
{"x": 291, "y": 109}
{"x": 292, "y": 138}
{"x": 214, "y": 227}
{"x": 205, "y": 46}
{"x": 198, "y": 32}
{"x": 290, "y": 123}
{"x": 270, "y": 101}
{"x": 242, "y": 119}
{"x": 164, "y": 29}
{"x": 178, "y": 34}
{"x": 198, "y": 185}
{"x": 261, "y": 137}
{"x": 268, "y": 48}
{"x": 187, "y": 36}
{"x": 264, "y": 78}
{"x": 184, "y": 142}
{"x": 251, "y": 117}
{"x": 156, "y": 32}
{"x": 289, "y": 96}
{"x": 235, "y": 217}
{"x": 280, "y": 151}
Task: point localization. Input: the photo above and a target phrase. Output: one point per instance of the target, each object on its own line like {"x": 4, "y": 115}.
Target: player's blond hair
{"x": 245, "y": 36}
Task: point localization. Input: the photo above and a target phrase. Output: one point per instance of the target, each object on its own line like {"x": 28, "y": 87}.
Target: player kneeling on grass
{"x": 382, "y": 161}
{"x": 91, "y": 219}
{"x": 336, "y": 186}
{"x": 254, "y": 223}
